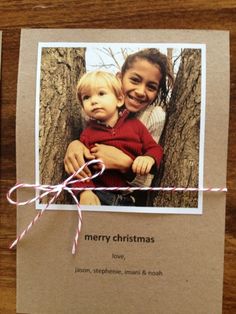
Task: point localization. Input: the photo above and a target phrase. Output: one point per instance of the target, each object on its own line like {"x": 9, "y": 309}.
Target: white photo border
{"x": 126, "y": 209}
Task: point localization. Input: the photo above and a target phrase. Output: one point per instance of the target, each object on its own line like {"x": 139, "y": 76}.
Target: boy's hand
{"x": 143, "y": 164}
{"x": 89, "y": 198}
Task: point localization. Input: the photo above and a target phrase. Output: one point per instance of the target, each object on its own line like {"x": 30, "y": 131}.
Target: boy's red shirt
{"x": 130, "y": 136}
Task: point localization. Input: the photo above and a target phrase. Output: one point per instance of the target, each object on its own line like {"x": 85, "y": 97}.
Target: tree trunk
{"x": 60, "y": 114}
{"x": 180, "y": 138}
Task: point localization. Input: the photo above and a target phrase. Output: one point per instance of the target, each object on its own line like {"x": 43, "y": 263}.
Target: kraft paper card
{"x": 163, "y": 254}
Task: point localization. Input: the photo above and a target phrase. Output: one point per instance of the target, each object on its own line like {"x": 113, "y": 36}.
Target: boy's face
{"x": 140, "y": 84}
{"x": 100, "y": 103}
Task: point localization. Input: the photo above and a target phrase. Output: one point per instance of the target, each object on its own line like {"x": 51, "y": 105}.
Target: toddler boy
{"x": 100, "y": 94}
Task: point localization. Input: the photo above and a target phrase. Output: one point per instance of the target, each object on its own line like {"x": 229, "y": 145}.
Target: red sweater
{"x": 130, "y": 136}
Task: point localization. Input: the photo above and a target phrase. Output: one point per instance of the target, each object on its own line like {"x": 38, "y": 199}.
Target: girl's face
{"x": 140, "y": 84}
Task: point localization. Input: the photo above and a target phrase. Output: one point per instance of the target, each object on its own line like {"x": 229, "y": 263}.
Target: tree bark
{"x": 60, "y": 114}
{"x": 181, "y": 135}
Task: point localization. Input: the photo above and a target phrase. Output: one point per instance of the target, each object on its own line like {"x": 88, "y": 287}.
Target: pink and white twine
{"x": 55, "y": 190}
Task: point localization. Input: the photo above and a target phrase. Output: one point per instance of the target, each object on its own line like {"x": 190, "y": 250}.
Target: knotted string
{"x": 65, "y": 186}
{"x": 54, "y": 190}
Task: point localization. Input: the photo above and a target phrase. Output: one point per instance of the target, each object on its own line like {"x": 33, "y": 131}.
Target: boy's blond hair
{"x": 90, "y": 79}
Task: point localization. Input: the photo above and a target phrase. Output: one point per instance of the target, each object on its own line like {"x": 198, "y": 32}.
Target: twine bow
{"x": 55, "y": 190}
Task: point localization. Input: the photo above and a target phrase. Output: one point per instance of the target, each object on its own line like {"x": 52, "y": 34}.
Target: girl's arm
{"x": 112, "y": 157}
{"x": 75, "y": 157}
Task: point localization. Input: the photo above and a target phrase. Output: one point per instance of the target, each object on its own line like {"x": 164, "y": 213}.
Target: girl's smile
{"x": 141, "y": 84}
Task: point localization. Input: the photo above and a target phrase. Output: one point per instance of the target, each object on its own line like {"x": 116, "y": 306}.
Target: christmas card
{"x": 158, "y": 246}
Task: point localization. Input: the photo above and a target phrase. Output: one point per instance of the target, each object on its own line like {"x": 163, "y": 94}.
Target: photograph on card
{"x": 138, "y": 108}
